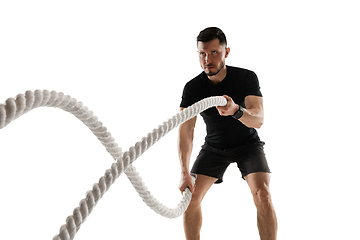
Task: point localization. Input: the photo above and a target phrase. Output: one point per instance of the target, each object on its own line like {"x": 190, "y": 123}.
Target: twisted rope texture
{"x": 22, "y": 104}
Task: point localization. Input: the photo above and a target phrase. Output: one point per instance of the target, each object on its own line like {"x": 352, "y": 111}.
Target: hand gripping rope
{"x": 22, "y": 104}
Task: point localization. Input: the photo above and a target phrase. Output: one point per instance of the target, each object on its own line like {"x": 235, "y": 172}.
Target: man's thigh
{"x": 251, "y": 159}
{"x": 202, "y": 185}
{"x": 258, "y": 181}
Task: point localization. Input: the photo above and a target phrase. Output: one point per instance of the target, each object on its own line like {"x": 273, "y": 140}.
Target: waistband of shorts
{"x": 246, "y": 145}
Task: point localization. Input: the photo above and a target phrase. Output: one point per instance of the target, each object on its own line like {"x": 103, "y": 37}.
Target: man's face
{"x": 212, "y": 56}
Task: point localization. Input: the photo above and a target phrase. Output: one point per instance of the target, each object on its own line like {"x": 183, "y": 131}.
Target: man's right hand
{"x": 186, "y": 181}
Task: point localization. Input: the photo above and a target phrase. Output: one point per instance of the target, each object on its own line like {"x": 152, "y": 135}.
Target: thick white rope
{"x": 22, "y": 104}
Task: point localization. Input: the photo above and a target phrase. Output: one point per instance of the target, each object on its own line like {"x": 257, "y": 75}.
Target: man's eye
{"x": 214, "y": 52}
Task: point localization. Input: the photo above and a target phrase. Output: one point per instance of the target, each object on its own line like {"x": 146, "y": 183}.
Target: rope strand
{"x": 22, "y": 104}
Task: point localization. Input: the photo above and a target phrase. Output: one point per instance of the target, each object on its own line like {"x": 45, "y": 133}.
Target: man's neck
{"x": 216, "y": 79}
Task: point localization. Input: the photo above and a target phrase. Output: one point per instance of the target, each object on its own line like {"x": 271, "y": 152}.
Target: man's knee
{"x": 262, "y": 199}
{"x": 196, "y": 200}
{"x": 203, "y": 184}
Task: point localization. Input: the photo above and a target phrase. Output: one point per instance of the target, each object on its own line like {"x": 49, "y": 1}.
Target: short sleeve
{"x": 252, "y": 86}
{"x": 187, "y": 98}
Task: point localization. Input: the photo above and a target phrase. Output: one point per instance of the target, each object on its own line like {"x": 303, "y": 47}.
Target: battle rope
{"x": 22, "y": 104}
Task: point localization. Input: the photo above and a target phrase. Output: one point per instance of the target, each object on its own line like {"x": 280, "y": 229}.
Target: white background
{"x": 128, "y": 61}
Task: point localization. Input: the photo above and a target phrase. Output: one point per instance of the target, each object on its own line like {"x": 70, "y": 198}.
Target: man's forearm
{"x": 185, "y": 143}
{"x": 185, "y": 146}
{"x": 252, "y": 118}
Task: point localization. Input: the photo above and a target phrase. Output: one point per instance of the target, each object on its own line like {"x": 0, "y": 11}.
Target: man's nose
{"x": 208, "y": 59}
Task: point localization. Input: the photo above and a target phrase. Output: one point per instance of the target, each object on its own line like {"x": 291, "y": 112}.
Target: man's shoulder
{"x": 238, "y": 70}
{"x": 198, "y": 80}
{"x": 193, "y": 90}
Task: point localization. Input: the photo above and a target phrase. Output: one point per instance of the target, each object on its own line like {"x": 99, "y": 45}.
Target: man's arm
{"x": 253, "y": 116}
{"x": 185, "y": 146}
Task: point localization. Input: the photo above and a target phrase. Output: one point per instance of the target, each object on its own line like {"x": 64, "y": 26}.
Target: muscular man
{"x": 231, "y": 135}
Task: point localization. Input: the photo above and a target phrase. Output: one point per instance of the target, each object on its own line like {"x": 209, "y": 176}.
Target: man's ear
{"x": 227, "y": 51}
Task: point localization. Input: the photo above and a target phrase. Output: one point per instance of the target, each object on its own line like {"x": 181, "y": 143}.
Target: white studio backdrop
{"x": 128, "y": 62}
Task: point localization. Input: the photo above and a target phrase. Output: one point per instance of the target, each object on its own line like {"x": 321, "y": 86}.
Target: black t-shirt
{"x": 224, "y": 132}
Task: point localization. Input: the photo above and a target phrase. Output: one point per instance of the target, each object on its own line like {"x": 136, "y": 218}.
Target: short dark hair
{"x": 211, "y": 33}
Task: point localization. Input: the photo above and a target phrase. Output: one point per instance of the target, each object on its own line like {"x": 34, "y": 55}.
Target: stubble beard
{"x": 209, "y": 74}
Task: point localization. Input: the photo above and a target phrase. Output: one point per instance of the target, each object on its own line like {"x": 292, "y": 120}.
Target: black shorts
{"x": 213, "y": 162}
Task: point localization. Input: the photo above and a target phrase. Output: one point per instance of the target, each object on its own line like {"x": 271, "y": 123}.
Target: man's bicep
{"x": 253, "y": 101}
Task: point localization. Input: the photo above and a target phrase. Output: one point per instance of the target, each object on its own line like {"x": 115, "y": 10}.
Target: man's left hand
{"x": 230, "y": 108}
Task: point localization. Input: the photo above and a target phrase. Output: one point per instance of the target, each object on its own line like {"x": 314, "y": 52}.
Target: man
{"x": 231, "y": 135}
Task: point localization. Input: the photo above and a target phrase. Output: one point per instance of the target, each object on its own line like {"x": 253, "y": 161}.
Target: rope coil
{"x": 14, "y": 108}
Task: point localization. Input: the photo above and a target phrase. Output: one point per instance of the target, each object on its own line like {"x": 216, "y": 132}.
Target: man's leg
{"x": 192, "y": 216}
{"x": 266, "y": 217}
